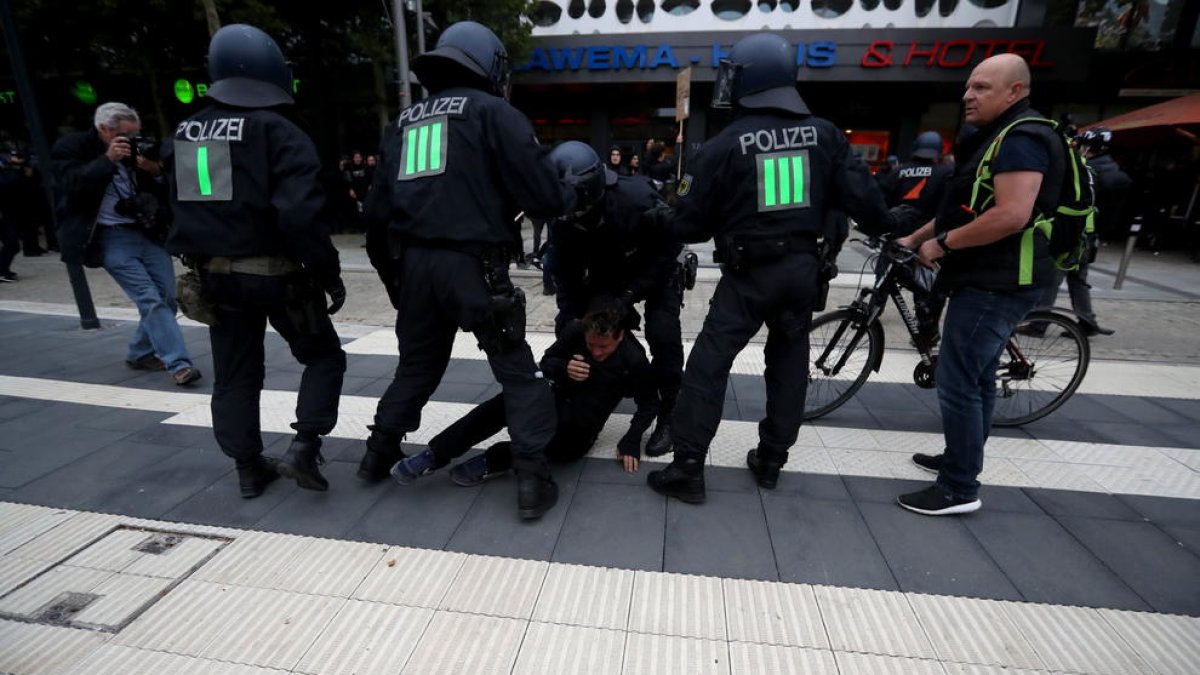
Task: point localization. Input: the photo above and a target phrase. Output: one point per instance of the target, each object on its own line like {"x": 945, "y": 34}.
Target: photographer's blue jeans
{"x": 977, "y": 327}
{"x": 143, "y": 269}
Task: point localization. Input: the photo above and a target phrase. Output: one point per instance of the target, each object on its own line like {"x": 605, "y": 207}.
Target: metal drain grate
{"x": 112, "y": 580}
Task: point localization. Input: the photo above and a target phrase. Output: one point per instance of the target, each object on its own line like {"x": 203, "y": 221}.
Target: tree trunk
{"x": 210, "y": 15}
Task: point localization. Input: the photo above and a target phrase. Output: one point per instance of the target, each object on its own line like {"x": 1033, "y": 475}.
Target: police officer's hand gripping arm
{"x": 297, "y": 198}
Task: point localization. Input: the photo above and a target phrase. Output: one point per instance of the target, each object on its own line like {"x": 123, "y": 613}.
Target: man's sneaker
{"x": 254, "y": 478}
{"x": 10, "y": 277}
{"x": 682, "y": 479}
{"x": 473, "y": 472}
{"x": 185, "y": 376}
{"x": 1091, "y": 329}
{"x": 409, "y": 469}
{"x": 147, "y": 362}
{"x": 766, "y": 472}
{"x": 933, "y": 501}
{"x": 931, "y": 463}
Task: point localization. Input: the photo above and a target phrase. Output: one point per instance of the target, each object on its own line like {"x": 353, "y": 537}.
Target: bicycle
{"x": 1036, "y": 375}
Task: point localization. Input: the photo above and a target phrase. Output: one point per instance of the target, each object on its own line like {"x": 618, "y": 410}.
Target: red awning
{"x": 1172, "y": 118}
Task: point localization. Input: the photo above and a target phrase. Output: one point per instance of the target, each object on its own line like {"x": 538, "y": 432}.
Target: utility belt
{"x": 258, "y": 265}
{"x": 741, "y": 250}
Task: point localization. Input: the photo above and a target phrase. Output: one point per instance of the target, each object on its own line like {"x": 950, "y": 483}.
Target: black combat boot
{"x": 383, "y": 451}
{"x": 301, "y": 462}
{"x": 255, "y": 475}
{"x": 660, "y": 439}
{"x": 535, "y": 495}
{"x": 766, "y": 471}
{"x": 682, "y": 479}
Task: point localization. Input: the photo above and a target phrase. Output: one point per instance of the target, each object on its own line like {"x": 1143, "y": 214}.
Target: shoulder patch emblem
{"x": 685, "y": 185}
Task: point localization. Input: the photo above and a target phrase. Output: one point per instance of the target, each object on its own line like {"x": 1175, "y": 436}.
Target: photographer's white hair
{"x": 110, "y": 115}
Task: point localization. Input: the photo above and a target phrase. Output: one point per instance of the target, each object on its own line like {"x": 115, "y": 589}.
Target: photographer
{"x": 111, "y": 211}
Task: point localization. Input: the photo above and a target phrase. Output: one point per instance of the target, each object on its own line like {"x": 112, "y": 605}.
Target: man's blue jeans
{"x": 144, "y": 271}
{"x": 977, "y": 327}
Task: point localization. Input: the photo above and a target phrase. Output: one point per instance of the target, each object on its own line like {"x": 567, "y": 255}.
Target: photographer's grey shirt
{"x": 120, "y": 187}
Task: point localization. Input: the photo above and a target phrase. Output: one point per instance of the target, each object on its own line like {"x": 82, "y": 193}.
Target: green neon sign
{"x": 184, "y": 92}
{"x": 84, "y": 92}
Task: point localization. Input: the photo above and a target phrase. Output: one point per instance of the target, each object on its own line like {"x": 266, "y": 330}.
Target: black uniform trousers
{"x": 442, "y": 291}
{"x": 245, "y": 303}
{"x": 570, "y": 442}
{"x": 664, "y": 336}
{"x": 779, "y": 293}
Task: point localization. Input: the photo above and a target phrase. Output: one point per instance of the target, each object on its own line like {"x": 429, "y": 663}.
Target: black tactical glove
{"x": 657, "y": 220}
{"x": 336, "y": 291}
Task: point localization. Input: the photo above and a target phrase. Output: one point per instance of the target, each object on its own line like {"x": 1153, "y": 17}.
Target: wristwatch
{"x": 941, "y": 240}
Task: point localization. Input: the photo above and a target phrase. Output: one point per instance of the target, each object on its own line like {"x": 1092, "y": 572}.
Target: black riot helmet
{"x": 247, "y": 68}
{"x": 928, "y": 146}
{"x": 1096, "y": 139}
{"x": 759, "y": 73}
{"x": 466, "y": 53}
{"x": 580, "y": 166}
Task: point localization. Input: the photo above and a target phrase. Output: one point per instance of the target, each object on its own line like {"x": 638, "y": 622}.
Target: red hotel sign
{"x": 950, "y": 53}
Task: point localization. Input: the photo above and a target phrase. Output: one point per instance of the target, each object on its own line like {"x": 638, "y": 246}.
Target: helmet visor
{"x": 722, "y": 96}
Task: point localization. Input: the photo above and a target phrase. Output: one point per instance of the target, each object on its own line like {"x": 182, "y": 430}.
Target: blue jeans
{"x": 977, "y": 327}
{"x": 144, "y": 271}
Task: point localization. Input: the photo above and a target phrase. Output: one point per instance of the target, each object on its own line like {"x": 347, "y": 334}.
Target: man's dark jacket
{"x": 83, "y": 173}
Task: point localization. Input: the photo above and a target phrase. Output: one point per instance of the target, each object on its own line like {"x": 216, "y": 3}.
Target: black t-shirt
{"x": 1019, "y": 152}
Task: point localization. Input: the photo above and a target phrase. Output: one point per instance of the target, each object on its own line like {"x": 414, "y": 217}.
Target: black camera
{"x": 141, "y": 146}
{"x": 142, "y": 207}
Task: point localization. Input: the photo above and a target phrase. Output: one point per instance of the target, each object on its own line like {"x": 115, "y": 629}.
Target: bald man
{"x": 992, "y": 264}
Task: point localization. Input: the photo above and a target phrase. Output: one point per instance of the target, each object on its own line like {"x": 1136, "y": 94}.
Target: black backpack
{"x": 1069, "y": 226}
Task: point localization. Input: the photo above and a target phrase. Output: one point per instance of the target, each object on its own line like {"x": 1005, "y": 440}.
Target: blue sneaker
{"x": 473, "y": 472}
{"x": 409, "y": 469}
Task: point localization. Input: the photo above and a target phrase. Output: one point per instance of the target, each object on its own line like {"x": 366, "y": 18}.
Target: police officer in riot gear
{"x": 455, "y": 171}
{"x": 762, "y": 189}
{"x": 245, "y": 195}
{"x": 604, "y": 251}
{"x": 920, "y": 183}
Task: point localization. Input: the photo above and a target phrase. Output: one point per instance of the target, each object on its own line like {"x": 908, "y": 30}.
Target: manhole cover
{"x": 111, "y": 581}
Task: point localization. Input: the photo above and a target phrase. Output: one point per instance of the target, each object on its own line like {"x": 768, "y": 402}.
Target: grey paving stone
{"x": 353, "y": 386}
{"x": 1062, "y": 428}
{"x": 865, "y": 489}
{"x": 1143, "y": 410}
{"x": 615, "y": 526}
{"x": 111, "y": 469}
{"x": 1186, "y": 534}
{"x": 1085, "y": 504}
{"x": 459, "y": 392}
{"x": 282, "y": 380}
{"x": 1187, "y": 408}
{"x": 325, "y": 514}
{"x": 819, "y": 541}
{"x": 906, "y": 420}
{"x": 469, "y": 371}
{"x": 751, "y": 410}
{"x": 423, "y": 515}
{"x": 491, "y": 526}
{"x": 1157, "y": 568}
{"x": 158, "y": 488}
{"x": 748, "y": 387}
{"x": 221, "y": 503}
{"x": 597, "y": 470}
{"x": 1086, "y": 408}
{"x": 1008, "y": 499}
{"x": 814, "y": 485}
{"x": 729, "y": 479}
{"x": 177, "y": 435}
{"x": 48, "y": 450}
{"x": 333, "y": 449}
{"x": 1163, "y": 509}
{"x": 1179, "y": 436}
{"x": 1046, "y": 564}
{"x": 850, "y": 416}
{"x": 123, "y": 420}
{"x": 375, "y": 388}
{"x": 1133, "y": 434}
{"x": 726, "y": 536}
{"x": 935, "y": 555}
{"x": 370, "y": 366}
{"x": 12, "y": 407}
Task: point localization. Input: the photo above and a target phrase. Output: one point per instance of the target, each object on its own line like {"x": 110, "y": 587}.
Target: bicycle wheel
{"x": 841, "y": 353}
{"x": 1038, "y": 374}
